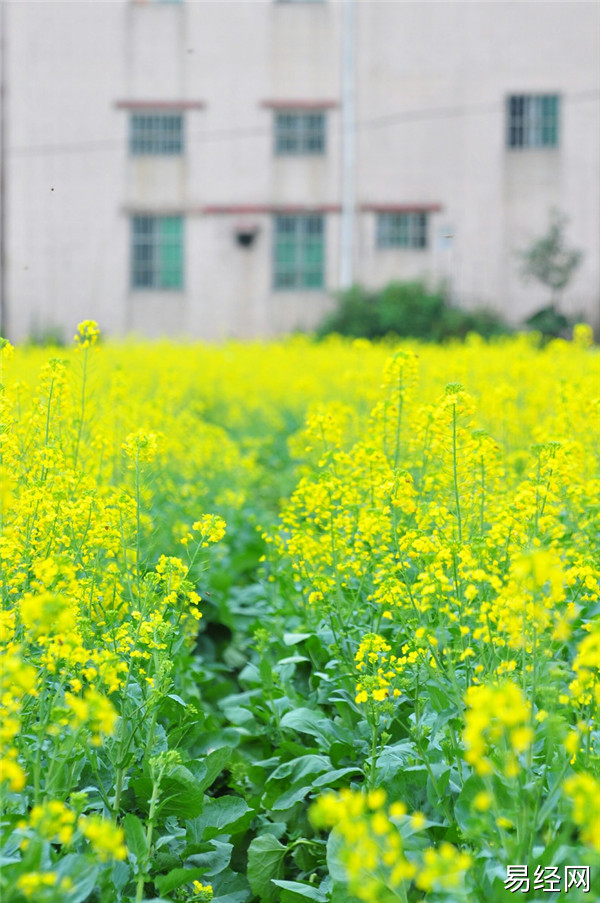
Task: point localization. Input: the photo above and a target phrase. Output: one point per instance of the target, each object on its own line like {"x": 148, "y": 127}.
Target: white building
{"x": 176, "y": 167}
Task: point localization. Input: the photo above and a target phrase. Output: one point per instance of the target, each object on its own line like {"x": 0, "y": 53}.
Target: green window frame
{"x": 533, "y": 121}
{"x": 299, "y": 133}
{"x": 156, "y": 134}
{"x": 402, "y": 230}
{"x": 157, "y": 260}
{"x": 299, "y": 251}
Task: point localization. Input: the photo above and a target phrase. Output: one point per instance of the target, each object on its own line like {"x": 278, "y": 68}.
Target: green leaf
{"x": 335, "y": 866}
{"x": 470, "y": 821}
{"x": 339, "y": 893}
{"x": 177, "y": 877}
{"x": 231, "y": 887}
{"x": 438, "y": 698}
{"x": 295, "y": 890}
{"x": 298, "y": 775}
{"x": 290, "y": 639}
{"x": 330, "y": 777}
{"x": 299, "y": 767}
{"x": 291, "y": 797}
{"x": 228, "y": 814}
{"x": 441, "y": 772}
{"x": 292, "y": 660}
{"x": 82, "y": 873}
{"x": 266, "y": 672}
{"x": 181, "y": 794}
{"x": 135, "y": 837}
{"x": 265, "y": 862}
{"x": 211, "y": 767}
{"x": 212, "y": 858}
{"x": 121, "y": 873}
{"x": 307, "y": 721}
{"x": 164, "y": 862}
{"x": 393, "y": 760}
{"x": 407, "y": 784}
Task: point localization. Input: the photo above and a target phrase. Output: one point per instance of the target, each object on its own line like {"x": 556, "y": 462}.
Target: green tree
{"x": 549, "y": 261}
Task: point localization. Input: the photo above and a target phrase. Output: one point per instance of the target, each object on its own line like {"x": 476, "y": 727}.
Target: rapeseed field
{"x": 300, "y": 621}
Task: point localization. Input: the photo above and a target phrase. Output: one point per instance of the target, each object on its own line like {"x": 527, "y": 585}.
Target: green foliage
{"x": 265, "y": 862}
{"x": 46, "y": 337}
{"x": 550, "y": 262}
{"x": 549, "y": 322}
{"x": 548, "y": 259}
{"x": 406, "y": 309}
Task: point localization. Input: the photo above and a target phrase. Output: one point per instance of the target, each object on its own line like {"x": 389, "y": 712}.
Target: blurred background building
{"x": 221, "y": 168}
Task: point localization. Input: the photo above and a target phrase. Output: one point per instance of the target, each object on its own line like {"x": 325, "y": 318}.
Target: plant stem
{"x": 398, "y": 421}
{"x": 373, "y": 754}
{"x": 80, "y": 428}
{"x": 139, "y": 892}
{"x": 137, "y": 512}
{"x": 455, "y": 472}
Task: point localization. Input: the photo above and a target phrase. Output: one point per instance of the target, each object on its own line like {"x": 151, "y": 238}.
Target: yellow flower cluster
{"x": 460, "y": 528}
{"x": 88, "y": 626}
{"x": 106, "y": 839}
{"x": 53, "y": 821}
{"x": 442, "y": 868}
{"x": 95, "y": 712}
{"x": 141, "y": 447}
{"x": 88, "y": 333}
{"x": 585, "y": 689}
{"x": 443, "y": 530}
{"x": 19, "y": 681}
{"x": 372, "y": 849}
{"x": 211, "y": 529}
{"x": 43, "y": 885}
{"x": 203, "y": 893}
{"x": 379, "y": 670}
{"x": 497, "y": 727}
{"x": 583, "y": 792}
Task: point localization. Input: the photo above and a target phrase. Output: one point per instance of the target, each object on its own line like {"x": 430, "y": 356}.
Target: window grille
{"x": 402, "y": 230}
{"x": 156, "y": 134}
{"x": 300, "y": 133}
{"x": 532, "y": 120}
{"x": 157, "y": 252}
{"x": 299, "y": 251}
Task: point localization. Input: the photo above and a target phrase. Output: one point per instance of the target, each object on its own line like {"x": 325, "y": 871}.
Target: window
{"x": 156, "y": 134}
{"x": 402, "y": 230}
{"x": 299, "y": 254}
{"x": 299, "y": 133}
{"x": 157, "y": 252}
{"x": 533, "y": 120}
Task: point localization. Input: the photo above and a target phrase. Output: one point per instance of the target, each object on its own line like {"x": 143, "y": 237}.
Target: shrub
{"x": 406, "y": 309}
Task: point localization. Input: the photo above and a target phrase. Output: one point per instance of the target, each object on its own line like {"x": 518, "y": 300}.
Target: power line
{"x": 415, "y": 115}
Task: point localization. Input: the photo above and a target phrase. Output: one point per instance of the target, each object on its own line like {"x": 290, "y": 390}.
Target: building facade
{"x": 183, "y": 168}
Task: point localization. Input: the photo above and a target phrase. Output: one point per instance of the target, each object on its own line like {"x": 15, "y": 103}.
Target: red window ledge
{"x": 245, "y": 209}
{"x": 401, "y": 208}
{"x": 160, "y": 104}
{"x": 300, "y": 104}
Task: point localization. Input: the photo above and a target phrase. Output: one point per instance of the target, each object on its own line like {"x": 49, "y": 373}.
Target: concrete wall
{"x": 459, "y": 61}
{"x": 432, "y": 79}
